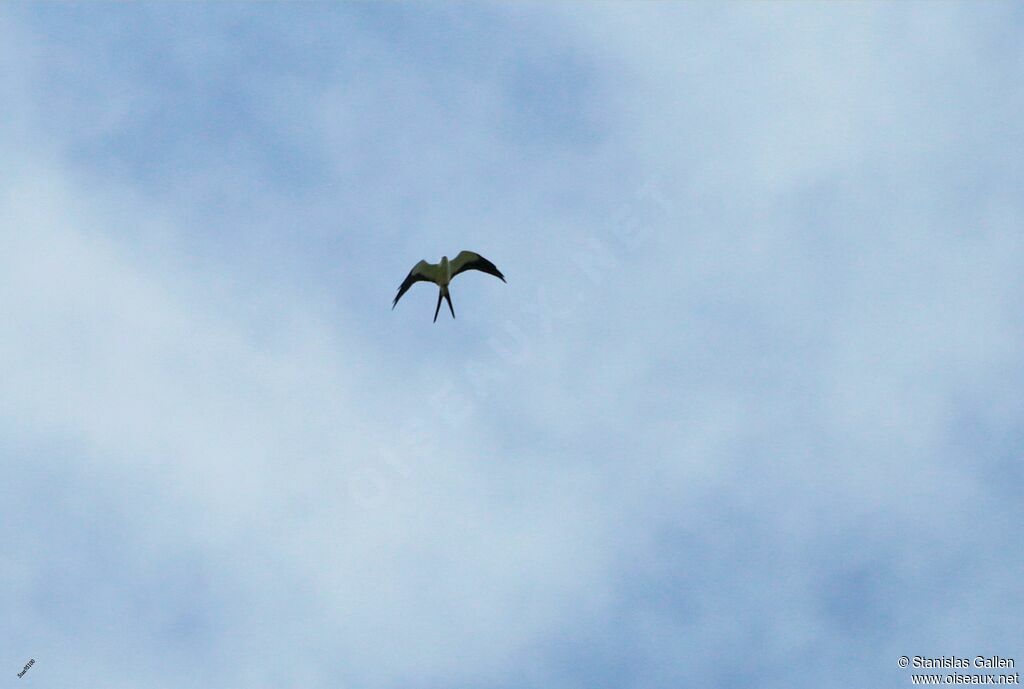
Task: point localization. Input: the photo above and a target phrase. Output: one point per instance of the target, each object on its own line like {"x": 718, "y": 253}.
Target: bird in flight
{"x": 442, "y": 273}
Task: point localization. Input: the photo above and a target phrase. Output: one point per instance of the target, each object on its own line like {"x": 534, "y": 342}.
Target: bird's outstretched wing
{"x": 422, "y": 271}
{"x": 467, "y": 260}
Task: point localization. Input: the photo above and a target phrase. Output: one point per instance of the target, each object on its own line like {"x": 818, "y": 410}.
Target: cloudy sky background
{"x": 747, "y": 412}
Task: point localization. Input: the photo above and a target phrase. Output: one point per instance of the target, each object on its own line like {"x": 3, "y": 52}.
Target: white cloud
{"x": 738, "y": 432}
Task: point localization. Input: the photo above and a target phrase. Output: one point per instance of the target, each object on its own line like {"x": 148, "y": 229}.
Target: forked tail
{"x": 443, "y": 294}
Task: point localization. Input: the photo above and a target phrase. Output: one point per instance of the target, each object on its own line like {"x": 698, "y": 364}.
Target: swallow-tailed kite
{"x": 442, "y": 273}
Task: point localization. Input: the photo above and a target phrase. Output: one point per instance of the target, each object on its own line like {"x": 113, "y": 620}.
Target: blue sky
{"x": 762, "y": 428}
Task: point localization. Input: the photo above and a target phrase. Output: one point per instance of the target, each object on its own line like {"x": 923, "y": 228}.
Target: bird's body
{"x": 445, "y": 273}
{"x": 441, "y": 274}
